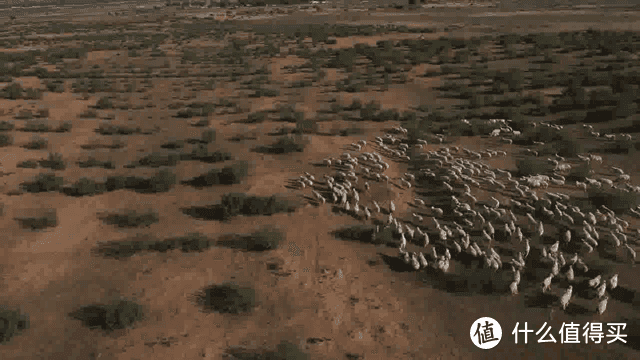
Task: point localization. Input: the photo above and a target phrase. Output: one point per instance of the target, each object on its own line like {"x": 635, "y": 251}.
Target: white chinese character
{"x": 526, "y": 332}
{"x": 545, "y": 334}
{"x": 593, "y": 331}
{"x": 569, "y": 334}
{"x": 615, "y": 332}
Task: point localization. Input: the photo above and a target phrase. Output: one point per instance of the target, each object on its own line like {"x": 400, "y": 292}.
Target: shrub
{"x": 284, "y": 145}
{"x": 227, "y": 298}
{"x": 226, "y": 176}
{"x": 13, "y": 91}
{"x": 54, "y": 162}
{"x": 201, "y": 153}
{"x": 306, "y": 126}
{"x": 122, "y": 249}
{"x": 533, "y": 166}
{"x": 6, "y": 126}
{"x": 36, "y": 126}
{"x": 5, "y": 140}
{"x": 162, "y": 181}
{"x": 50, "y": 219}
{"x": 580, "y": 172}
{"x": 256, "y": 117}
{"x": 36, "y": 143}
{"x": 64, "y": 127}
{"x": 362, "y": 233}
{"x": 29, "y": 164}
{"x": 286, "y": 351}
{"x": 209, "y": 136}
{"x": 117, "y": 130}
{"x": 156, "y": 160}
{"x": 615, "y": 199}
{"x": 289, "y": 115}
{"x": 204, "y": 122}
{"x": 24, "y": 115}
{"x": 119, "y": 314}
{"x": 114, "y": 183}
{"x": 11, "y": 324}
{"x": 133, "y": 219}
{"x": 104, "y": 103}
{"x": 92, "y": 162}
{"x": 83, "y": 187}
{"x": 176, "y": 144}
{"x": 43, "y": 183}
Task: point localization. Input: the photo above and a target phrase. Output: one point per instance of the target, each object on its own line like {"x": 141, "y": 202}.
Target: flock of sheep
{"x": 462, "y": 226}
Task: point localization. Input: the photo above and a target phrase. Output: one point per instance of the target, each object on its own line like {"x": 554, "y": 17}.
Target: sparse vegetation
{"x": 133, "y": 218}
{"x": 36, "y": 143}
{"x": 54, "y": 161}
{"x": 227, "y": 298}
{"x": 93, "y": 162}
{"x": 28, "y": 164}
{"x": 13, "y": 322}
{"x": 43, "y": 183}
{"x": 116, "y": 315}
{"x": 228, "y": 175}
{"x": 49, "y": 219}
{"x": 284, "y": 145}
{"x": 191, "y": 242}
{"x": 5, "y": 140}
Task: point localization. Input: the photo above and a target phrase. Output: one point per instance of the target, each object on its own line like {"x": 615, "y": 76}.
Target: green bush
{"x": 11, "y": 324}
{"x": 43, "y": 183}
{"x": 50, "y": 219}
{"x": 29, "y": 164}
{"x": 227, "y": 298}
{"x": 54, "y": 161}
{"x": 6, "y": 126}
{"x": 104, "y": 103}
{"x": 36, "y": 143}
{"x": 5, "y": 140}
{"x": 119, "y": 314}
{"x": 133, "y": 219}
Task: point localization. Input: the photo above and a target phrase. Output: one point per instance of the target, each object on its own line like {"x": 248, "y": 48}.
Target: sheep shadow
{"x": 395, "y": 263}
{"x": 633, "y": 332}
{"x": 362, "y": 233}
{"x": 538, "y": 299}
{"x": 576, "y": 309}
{"x": 623, "y": 294}
{"x": 467, "y": 284}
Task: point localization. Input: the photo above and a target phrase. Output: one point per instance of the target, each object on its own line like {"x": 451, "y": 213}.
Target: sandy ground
{"x": 327, "y": 288}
